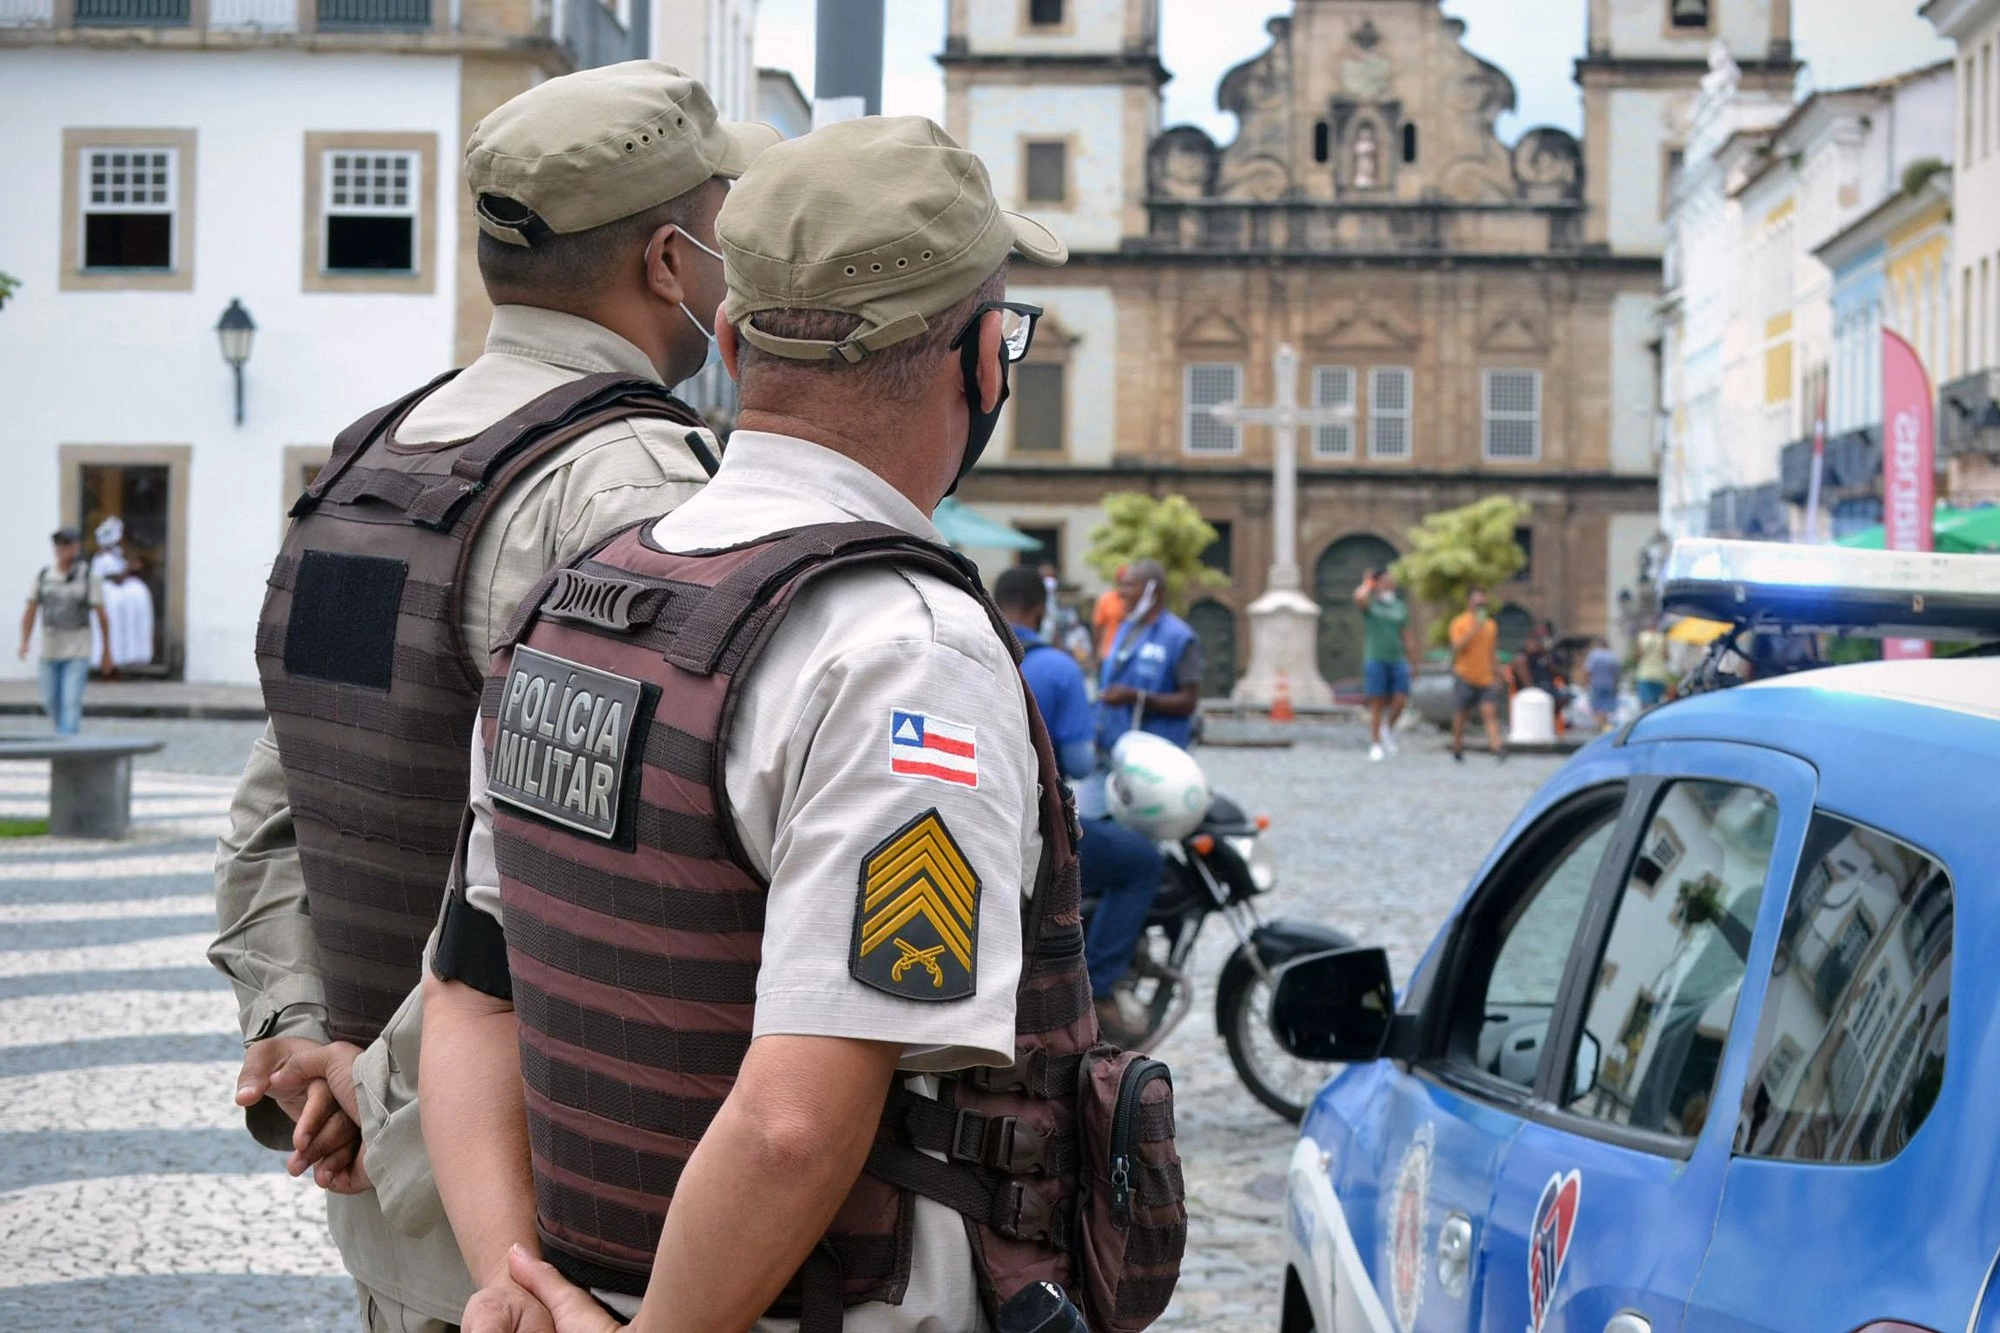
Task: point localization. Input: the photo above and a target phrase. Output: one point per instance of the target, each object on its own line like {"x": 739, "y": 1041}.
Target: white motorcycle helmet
{"x": 1156, "y": 787}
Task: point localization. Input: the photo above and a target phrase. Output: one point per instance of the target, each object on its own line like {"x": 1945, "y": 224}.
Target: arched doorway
{"x": 1336, "y": 574}
{"x": 1515, "y": 622}
{"x": 1215, "y": 625}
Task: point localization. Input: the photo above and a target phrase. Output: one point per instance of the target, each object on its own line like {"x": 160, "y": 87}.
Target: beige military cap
{"x": 883, "y": 217}
{"x": 598, "y": 145}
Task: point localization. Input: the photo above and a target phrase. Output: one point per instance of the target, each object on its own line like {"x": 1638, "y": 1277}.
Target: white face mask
{"x": 706, "y": 333}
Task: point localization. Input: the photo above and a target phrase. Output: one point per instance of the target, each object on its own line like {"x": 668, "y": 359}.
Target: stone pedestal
{"x": 1284, "y": 636}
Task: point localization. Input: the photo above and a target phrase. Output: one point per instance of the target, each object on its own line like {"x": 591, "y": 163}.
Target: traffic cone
{"x": 1281, "y": 700}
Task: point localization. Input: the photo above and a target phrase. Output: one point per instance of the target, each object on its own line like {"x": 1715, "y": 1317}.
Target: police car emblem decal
{"x": 1409, "y": 1202}
{"x": 1548, "y": 1242}
{"x": 563, "y": 740}
{"x": 916, "y": 917}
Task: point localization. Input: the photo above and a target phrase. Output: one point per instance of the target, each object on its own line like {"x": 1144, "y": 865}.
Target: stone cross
{"x": 1284, "y": 622}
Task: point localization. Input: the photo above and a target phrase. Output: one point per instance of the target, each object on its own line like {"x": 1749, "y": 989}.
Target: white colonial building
{"x": 166, "y": 158}
{"x": 1758, "y": 327}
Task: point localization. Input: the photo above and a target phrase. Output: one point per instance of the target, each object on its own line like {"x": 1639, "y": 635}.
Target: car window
{"x": 1850, "y": 1047}
{"x": 1535, "y": 939}
{"x": 1666, "y": 985}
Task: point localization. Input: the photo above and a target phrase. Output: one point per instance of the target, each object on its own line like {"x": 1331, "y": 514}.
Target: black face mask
{"x": 980, "y": 429}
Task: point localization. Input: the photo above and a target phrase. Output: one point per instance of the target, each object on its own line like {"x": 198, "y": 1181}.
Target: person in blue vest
{"x": 1151, "y": 678}
{"x": 1122, "y": 865}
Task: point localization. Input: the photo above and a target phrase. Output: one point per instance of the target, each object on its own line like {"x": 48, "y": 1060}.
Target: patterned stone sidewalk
{"x": 129, "y": 1196}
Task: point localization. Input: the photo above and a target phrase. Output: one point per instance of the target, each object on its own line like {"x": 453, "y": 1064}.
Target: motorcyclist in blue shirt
{"x": 1151, "y": 678}
{"x": 1121, "y": 864}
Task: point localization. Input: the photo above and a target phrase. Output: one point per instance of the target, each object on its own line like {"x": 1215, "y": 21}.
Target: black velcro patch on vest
{"x": 916, "y": 916}
{"x": 343, "y": 622}
{"x": 564, "y": 743}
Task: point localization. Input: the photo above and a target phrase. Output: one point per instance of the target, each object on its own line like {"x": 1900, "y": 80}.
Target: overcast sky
{"x": 1843, "y": 41}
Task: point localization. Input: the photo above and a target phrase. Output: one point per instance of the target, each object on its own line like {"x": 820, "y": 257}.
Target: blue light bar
{"x": 1832, "y": 589}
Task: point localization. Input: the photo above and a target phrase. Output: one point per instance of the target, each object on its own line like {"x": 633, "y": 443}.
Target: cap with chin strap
{"x": 885, "y": 218}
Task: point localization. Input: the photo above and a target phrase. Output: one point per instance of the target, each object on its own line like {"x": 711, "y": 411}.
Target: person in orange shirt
{"x": 1108, "y": 615}
{"x": 1475, "y": 674}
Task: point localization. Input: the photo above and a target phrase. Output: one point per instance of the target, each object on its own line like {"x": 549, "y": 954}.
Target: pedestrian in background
{"x": 1650, "y": 672}
{"x": 69, "y": 599}
{"x": 1390, "y": 647}
{"x": 1108, "y": 615}
{"x": 1601, "y": 670}
{"x": 1475, "y": 674}
{"x": 1151, "y": 677}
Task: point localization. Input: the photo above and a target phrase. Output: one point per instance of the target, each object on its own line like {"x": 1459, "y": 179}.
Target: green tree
{"x": 9, "y": 284}
{"x": 1457, "y": 550}
{"x": 1169, "y": 530}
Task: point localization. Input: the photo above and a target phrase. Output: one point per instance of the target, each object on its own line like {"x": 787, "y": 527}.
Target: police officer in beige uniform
{"x": 597, "y": 194}
{"x": 866, "y": 265}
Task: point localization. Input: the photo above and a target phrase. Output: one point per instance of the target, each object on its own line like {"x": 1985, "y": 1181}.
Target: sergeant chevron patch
{"x": 916, "y": 916}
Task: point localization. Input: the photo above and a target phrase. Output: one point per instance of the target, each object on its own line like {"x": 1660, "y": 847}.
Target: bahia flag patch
{"x": 923, "y": 746}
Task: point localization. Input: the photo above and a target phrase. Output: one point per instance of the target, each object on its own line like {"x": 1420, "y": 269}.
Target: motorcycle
{"x": 1220, "y": 869}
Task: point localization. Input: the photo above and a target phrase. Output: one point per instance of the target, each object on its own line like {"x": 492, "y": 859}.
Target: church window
{"x": 1039, "y": 407}
{"x": 1513, "y": 415}
{"x": 1409, "y": 143}
{"x": 371, "y": 212}
{"x": 1211, "y": 384}
{"x": 1045, "y": 13}
{"x": 1333, "y": 386}
{"x": 1389, "y": 396}
{"x": 128, "y": 214}
{"x": 1322, "y": 141}
{"x": 1047, "y": 172}
{"x": 1688, "y": 13}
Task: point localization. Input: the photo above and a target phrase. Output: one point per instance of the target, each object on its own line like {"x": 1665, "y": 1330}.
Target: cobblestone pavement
{"x": 129, "y": 1194}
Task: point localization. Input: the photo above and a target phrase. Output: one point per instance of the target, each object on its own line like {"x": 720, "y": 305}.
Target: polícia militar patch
{"x": 564, "y": 737}
{"x": 916, "y": 918}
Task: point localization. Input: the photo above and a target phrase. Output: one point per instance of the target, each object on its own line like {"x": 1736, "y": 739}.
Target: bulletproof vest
{"x": 634, "y": 925}
{"x": 66, "y": 600}
{"x": 370, "y": 685}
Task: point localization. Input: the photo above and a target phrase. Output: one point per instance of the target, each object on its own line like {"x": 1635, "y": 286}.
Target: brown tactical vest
{"x": 634, "y": 928}
{"x": 370, "y": 685}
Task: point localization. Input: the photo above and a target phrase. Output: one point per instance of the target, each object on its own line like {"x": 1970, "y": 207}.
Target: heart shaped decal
{"x": 1548, "y": 1242}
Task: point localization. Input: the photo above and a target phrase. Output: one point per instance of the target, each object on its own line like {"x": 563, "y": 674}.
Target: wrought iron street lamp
{"x": 235, "y": 330}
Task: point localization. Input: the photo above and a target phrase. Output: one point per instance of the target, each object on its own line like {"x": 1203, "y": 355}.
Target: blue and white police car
{"x": 1712, "y": 1041}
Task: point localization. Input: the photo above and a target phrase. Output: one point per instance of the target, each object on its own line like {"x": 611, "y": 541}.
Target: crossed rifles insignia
{"x": 916, "y": 918}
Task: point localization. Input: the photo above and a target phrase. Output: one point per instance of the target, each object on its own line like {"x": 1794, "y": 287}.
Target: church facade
{"x": 1479, "y": 316}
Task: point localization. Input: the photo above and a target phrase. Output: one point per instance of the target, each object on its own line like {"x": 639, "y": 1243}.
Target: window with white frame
{"x": 129, "y": 201}
{"x": 1513, "y": 400}
{"x": 1389, "y": 396}
{"x": 1211, "y": 384}
{"x": 1333, "y": 388}
{"x": 371, "y": 211}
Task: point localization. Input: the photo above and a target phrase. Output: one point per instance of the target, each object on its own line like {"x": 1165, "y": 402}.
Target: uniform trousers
{"x": 380, "y": 1314}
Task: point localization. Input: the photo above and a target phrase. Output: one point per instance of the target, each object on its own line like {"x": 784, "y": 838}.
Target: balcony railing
{"x": 132, "y": 13}
{"x": 374, "y": 13}
{"x": 267, "y": 15}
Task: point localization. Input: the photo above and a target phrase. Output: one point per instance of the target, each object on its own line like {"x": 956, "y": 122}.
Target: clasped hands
{"x": 314, "y": 1083}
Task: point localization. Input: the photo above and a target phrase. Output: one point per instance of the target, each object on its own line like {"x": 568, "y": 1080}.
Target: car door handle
{"x": 1454, "y": 1261}
{"x": 1628, "y": 1321}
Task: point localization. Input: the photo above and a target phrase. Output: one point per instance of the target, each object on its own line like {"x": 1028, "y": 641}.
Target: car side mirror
{"x": 1334, "y": 1006}
{"x": 1583, "y": 1073}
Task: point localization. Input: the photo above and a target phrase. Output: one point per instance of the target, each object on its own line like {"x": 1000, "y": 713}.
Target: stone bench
{"x": 90, "y": 780}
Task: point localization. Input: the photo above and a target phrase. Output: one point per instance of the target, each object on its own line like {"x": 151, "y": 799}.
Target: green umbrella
{"x": 1963, "y": 531}
{"x": 963, "y": 526}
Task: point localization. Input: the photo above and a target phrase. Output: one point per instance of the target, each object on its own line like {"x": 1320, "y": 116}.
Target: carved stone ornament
{"x": 1548, "y": 165}
{"x": 1259, "y": 92}
{"x": 1181, "y": 164}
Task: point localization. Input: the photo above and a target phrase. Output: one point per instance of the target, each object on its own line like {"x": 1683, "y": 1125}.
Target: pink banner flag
{"x": 1909, "y": 476}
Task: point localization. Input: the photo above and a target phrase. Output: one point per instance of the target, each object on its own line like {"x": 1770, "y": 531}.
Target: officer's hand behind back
{"x": 572, "y": 1307}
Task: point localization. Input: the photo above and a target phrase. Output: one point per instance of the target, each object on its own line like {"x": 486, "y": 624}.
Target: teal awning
{"x": 963, "y": 526}
{"x": 1965, "y": 531}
